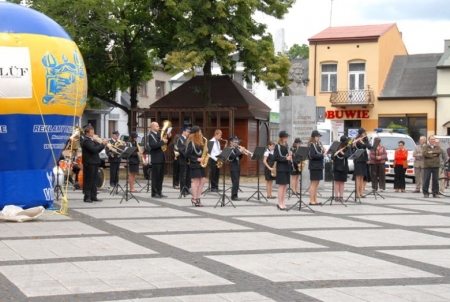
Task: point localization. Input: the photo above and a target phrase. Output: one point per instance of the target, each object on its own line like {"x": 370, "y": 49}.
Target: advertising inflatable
{"x": 43, "y": 88}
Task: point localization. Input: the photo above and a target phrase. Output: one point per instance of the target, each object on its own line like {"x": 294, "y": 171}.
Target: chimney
{"x": 446, "y": 45}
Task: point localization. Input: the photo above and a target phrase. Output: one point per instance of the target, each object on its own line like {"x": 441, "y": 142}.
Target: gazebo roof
{"x": 225, "y": 93}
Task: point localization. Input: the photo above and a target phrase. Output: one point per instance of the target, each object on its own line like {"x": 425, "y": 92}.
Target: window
{"x": 143, "y": 89}
{"x": 356, "y": 76}
{"x": 159, "y": 89}
{"x": 328, "y": 77}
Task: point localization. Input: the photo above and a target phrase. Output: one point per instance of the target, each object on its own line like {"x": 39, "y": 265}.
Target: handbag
{"x": 405, "y": 165}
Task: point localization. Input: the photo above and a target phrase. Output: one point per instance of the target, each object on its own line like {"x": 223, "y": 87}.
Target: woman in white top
{"x": 268, "y": 169}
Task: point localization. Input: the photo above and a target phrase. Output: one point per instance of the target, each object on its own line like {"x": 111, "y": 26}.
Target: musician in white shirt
{"x": 214, "y": 172}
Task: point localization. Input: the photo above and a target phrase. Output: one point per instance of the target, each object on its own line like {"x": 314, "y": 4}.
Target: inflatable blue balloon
{"x": 43, "y": 88}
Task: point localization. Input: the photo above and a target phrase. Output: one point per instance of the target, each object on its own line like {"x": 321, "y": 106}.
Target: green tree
{"x": 210, "y": 31}
{"x": 119, "y": 40}
{"x": 298, "y": 52}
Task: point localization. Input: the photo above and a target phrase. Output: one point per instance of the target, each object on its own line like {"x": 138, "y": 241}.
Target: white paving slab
{"x": 439, "y": 257}
{"x": 211, "y": 201}
{"x": 232, "y": 242}
{"x": 410, "y": 220}
{"x": 306, "y": 222}
{"x": 176, "y": 225}
{"x": 285, "y": 267}
{"x": 106, "y": 276}
{"x": 367, "y": 238}
{"x": 434, "y": 208}
{"x": 109, "y": 202}
{"x": 126, "y": 212}
{"x": 442, "y": 230}
{"x": 408, "y": 293}
{"x": 46, "y": 228}
{"x": 69, "y": 247}
{"x": 225, "y": 297}
{"x": 352, "y": 208}
{"x": 245, "y": 210}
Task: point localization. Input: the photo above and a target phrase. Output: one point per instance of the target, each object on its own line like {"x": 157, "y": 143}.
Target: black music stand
{"x": 299, "y": 156}
{"x": 374, "y": 193}
{"x": 257, "y": 155}
{"x": 210, "y": 145}
{"x": 126, "y": 155}
{"x": 331, "y": 151}
{"x": 355, "y": 156}
{"x": 223, "y": 157}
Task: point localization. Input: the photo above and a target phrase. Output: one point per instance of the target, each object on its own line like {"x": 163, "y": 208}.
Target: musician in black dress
{"x": 295, "y": 173}
{"x": 316, "y": 155}
{"x": 133, "y": 161}
{"x": 340, "y": 167}
{"x": 361, "y": 142}
{"x": 114, "y": 160}
{"x": 268, "y": 162}
{"x": 194, "y": 153}
{"x": 91, "y": 161}
{"x": 180, "y": 146}
{"x": 235, "y": 166}
{"x": 282, "y": 157}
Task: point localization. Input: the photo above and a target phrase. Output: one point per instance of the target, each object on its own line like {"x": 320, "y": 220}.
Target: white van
{"x": 389, "y": 139}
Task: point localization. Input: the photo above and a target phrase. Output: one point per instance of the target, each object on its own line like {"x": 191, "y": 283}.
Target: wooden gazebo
{"x": 234, "y": 110}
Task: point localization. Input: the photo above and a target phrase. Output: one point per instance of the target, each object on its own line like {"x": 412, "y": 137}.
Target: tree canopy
{"x": 210, "y": 31}
{"x": 298, "y": 52}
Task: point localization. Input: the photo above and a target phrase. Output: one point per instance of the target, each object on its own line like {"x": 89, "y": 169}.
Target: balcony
{"x": 348, "y": 98}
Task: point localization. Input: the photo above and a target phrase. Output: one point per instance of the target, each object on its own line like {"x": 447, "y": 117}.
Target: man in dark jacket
{"x": 431, "y": 154}
{"x": 114, "y": 160}
{"x": 235, "y": 166}
{"x": 155, "y": 142}
{"x": 91, "y": 161}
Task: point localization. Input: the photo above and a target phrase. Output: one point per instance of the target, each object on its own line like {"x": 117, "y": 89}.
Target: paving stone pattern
{"x": 165, "y": 250}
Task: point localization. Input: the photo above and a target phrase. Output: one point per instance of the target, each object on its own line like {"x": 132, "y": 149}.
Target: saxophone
{"x": 205, "y": 155}
{"x": 220, "y": 163}
{"x": 142, "y": 155}
{"x": 274, "y": 172}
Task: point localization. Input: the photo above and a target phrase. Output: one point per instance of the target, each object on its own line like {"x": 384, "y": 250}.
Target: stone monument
{"x": 298, "y": 112}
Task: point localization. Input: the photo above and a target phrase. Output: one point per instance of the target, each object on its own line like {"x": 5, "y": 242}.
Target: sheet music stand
{"x": 355, "y": 156}
{"x": 374, "y": 193}
{"x": 331, "y": 151}
{"x": 299, "y": 156}
{"x": 257, "y": 155}
{"x": 126, "y": 155}
{"x": 210, "y": 145}
{"x": 223, "y": 157}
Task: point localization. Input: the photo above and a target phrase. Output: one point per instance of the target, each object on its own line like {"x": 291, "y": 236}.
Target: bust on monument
{"x": 297, "y": 87}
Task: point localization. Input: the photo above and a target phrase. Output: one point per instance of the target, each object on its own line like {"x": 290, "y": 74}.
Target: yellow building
{"x": 348, "y": 71}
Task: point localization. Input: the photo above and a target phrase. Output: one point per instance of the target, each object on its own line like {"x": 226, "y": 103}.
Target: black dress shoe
{"x": 88, "y": 200}
{"x": 214, "y": 190}
{"x": 236, "y": 199}
{"x": 157, "y": 196}
{"x": 96, "y": 199}
{"x": 161, "y": 195}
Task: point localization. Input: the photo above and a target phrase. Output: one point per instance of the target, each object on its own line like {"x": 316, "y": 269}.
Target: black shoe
{"x": 235, "y": 199}
{"x": 96, "y": 199}
{"x": 162, "y": 195}
{"x": 214, "y": 190}
{"x": 157, "y": 196}
{"x": 88, "y": 200}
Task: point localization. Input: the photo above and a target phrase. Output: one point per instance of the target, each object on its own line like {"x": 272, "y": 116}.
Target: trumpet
{"x": 110, "y": 146}
{"x": 244, "y": 151}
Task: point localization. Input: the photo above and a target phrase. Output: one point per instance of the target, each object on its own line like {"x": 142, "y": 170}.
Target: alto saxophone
{"x": 141, "y": 156}
{"x": 274, "y": 172}
{"x": 205, "y": 155}
{"x": 220, "y": 163}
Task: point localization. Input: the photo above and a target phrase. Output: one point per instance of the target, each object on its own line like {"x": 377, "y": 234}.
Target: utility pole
{"x": 331, "y": 11}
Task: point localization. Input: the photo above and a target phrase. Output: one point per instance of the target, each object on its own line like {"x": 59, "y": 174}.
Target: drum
{"x": 99, "y": 182}
{"x": 80, "y": 179}
{"x": 80, "y": 161}
{"x": 65, "y": 166}
{"x": 58, "y": 176}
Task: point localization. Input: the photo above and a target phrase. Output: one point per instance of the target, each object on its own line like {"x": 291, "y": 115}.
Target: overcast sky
{"x": 425, "y": 24}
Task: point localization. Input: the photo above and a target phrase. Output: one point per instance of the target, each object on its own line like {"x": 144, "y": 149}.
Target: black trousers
{"x": 176, "y": 173}
{"x": 378, "y": 176}
{"x": 399, "y": 177}
{"x": 214, "y": 174}
{"x": 428, "y": 173}
{"x": 185, "y": 177}
{"x": 235, "y": 175}
{"x": 157, "y": 178}
{"x": 90, "y": 174}
{"x": 114, "y": 173}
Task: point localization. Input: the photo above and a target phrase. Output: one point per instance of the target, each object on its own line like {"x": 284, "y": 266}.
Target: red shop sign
{"x": 347, "y": 114}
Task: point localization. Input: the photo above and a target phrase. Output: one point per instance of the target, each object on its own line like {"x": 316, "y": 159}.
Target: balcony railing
{"x": 343, "y": 98}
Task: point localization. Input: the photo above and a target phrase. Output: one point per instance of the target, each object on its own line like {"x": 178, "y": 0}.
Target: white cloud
{"x": 424, "y": 23}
